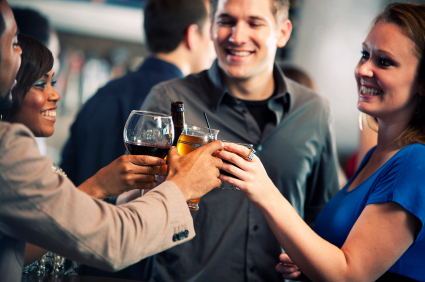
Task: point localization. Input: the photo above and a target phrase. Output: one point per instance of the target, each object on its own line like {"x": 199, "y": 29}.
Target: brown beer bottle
{"x": 177, "y": 114}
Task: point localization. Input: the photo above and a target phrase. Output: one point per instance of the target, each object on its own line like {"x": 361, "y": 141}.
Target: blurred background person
{"x": 178, "y": 38}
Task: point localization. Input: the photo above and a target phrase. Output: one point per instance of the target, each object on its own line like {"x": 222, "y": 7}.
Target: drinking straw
{"x": 208, "y": 124}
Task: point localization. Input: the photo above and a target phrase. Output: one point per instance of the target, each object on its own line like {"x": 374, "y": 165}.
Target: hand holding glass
{"x": 190, "y": 139}
{"x": 148, "y": 133}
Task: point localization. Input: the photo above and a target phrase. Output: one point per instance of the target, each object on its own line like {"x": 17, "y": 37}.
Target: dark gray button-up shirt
{"x": 234, "y": 242}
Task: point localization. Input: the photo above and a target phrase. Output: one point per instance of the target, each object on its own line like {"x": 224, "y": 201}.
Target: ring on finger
{"x": 250, "y": 154}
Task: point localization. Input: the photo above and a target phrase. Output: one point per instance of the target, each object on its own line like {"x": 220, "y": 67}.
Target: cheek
{"x": 219, "y": 35}
{"x": 33, "y": 102}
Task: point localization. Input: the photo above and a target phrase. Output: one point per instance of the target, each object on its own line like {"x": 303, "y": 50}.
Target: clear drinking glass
{"x": 225, "y": 185}
{"x": 191, "y": 138}
{"x": 148, "y": 133}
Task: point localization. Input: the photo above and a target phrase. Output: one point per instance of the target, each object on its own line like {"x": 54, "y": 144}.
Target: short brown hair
{"x": 410, "y": 17}
{"x": 280, "y": 8}
{"x": 166, "y": 22}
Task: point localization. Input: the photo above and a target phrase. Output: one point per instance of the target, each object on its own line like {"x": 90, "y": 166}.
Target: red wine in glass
{"x": 147, "y": 149}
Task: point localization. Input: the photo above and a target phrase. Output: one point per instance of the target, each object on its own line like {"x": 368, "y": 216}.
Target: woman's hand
{"x": 126, "y": 173}
{"x": 253, "y": 179}
{"x": 136, "y": 193}
{"x": 288, "y": 269}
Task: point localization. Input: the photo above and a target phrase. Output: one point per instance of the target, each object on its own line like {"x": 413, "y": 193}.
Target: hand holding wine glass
{"x": 126, "y": 173}
{"x": 148, "y": 133}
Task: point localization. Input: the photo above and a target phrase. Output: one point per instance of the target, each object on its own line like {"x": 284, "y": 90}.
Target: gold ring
{"x": 250, "y": 155}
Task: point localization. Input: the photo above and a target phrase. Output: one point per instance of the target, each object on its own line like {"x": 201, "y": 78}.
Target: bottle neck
{"x": 178, "y": 118}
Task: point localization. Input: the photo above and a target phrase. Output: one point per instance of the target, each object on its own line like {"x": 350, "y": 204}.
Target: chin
{"x": 44, "y": 133}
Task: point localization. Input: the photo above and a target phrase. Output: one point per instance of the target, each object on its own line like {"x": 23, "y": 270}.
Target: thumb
{"x": 173, "y": 153}
{"x": 142, "y": 160}
{"x": 212, "y": 147}
{"x": 284, "y": 258}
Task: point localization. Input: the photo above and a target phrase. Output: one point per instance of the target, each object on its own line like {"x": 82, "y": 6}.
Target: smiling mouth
{"x": 239, "y": 53}
{"x": 48, "y": 113}
{"x": 370, "y": 91}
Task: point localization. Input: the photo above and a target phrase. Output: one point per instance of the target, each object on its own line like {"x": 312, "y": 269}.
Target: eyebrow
{"x": 226, "y": 15}
{"x": 381, "y": 51}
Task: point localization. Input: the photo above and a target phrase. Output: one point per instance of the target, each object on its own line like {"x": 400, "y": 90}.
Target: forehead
{"x": 9, "y": 20}
{"x": 245, "y": 8}
{"x": 390, "y": 38}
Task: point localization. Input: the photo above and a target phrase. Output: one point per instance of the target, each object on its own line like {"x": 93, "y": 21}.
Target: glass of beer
{"x": 148, "y": 133}
{"x": 225, "y": 185}
{"x": 191, "y": 138}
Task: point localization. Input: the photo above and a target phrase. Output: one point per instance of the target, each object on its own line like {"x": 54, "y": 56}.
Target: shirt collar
{"x": 154, "y": 64}
{"x": 222, "y": 94}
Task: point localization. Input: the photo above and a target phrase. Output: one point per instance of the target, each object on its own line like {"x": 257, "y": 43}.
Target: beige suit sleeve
{"x": 44, "y": 208}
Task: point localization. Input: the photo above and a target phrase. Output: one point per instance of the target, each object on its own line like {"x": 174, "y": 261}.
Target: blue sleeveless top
{"x": 402, "y": 180}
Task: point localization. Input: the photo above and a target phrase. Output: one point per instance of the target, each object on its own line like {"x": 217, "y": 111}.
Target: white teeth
{"x": 49, "y": 113}
{"x": 370, "y": 91}
{"x": 239, "y": 53}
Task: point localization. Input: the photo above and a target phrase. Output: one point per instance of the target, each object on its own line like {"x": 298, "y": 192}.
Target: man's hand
{"x": 197, "y": 172}
{"x": 126, "y": 173}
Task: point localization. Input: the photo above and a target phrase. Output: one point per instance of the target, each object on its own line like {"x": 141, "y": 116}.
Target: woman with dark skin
{"x": 373, "y": 229}
{"x": 34, "y": 105}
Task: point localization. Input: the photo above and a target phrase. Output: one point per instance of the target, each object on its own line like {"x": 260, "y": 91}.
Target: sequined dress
{"x": 51, "y": 263}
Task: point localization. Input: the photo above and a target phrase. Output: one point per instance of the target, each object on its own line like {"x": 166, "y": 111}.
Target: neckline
{"x": 362, "y": 165}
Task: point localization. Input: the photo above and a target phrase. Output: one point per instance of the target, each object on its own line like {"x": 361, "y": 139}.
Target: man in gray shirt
{"x": 247, "y": 98}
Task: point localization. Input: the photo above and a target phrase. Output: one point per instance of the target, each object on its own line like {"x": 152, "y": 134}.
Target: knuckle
{"x": 128, "y": 180}
{"x": 144, "y": 159}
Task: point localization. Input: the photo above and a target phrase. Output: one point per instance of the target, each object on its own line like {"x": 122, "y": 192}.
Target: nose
{"x": 239, "y": 34}
{"x": 54, "y": 96}
{"x": 364, "y": 68}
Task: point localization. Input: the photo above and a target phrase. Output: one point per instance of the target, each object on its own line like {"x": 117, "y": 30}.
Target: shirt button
{"x": 259, "y": 148}
{"x": 244, "y": 111}
{"x": 252, "y": 269}
{"x": 255, "y": 228}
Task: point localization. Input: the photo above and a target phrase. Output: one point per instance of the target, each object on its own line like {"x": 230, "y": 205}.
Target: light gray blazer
{"x": 45, "y": 209}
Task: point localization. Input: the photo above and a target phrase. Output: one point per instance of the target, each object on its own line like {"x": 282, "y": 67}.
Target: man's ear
{"x": 191, "y": 38}
{"x": 284, "y": 33}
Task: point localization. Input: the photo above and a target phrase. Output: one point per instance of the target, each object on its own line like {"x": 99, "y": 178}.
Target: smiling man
{"x": 247, "y": 98}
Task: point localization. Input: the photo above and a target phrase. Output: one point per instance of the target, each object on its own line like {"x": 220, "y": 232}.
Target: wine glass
{"x": 148, "y": 133}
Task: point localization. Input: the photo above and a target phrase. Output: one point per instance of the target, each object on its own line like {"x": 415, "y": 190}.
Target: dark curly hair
{"x": 36, "y": 61}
